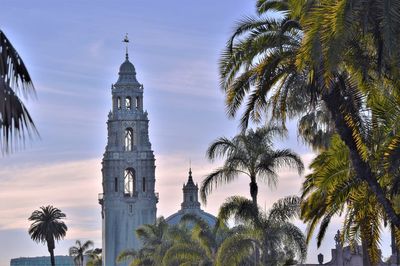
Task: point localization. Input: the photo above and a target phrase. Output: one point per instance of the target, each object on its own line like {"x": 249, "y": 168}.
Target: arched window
{"x": 130, "y": 182}
{"x": 128, "y": 139}
{"x": 116, "y": 184}
{"x": 119, "y": 103}
{"x": 144, "y": 184}
{"x": 128, "y": 103}
{"x": 137, "y": 102}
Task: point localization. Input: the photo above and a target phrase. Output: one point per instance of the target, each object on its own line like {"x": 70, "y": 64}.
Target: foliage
{"x": 194, "y": 242}
{"x": 94, "y": 256}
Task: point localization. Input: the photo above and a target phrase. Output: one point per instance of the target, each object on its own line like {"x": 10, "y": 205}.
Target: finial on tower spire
{"x": 126, "y": 41}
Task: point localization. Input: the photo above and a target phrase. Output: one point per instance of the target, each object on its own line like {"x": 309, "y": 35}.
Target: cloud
{"x": 66, "y": 185}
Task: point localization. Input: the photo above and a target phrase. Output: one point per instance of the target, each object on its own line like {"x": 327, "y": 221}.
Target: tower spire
{"x": 126, "y": 41}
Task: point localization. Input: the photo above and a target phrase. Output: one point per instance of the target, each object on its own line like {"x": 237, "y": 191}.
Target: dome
{"x": 191, "y": 205}
{"x": 175, "y": 218}
{"x": 127, "y": 68}
{"x": 127, "y": 73}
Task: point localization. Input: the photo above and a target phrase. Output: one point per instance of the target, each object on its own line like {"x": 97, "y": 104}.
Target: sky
{"x": 73, "y": 50}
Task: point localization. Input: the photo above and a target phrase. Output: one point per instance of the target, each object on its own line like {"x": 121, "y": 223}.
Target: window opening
{"x": 137, "y": 102}
{"x": 116, "y": 184}
{"x": 119, "y": 103}
{"x": 144, "y": 184}
{"x": 191, "y": 198}
{"x": 129, "y": 182}
{"x": 128, "y": 103}
{"x": 128, "y": 139}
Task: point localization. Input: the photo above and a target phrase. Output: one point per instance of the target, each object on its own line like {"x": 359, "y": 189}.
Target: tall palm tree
{"x": 15, "y": 119}
{"x": 79, "y": 251}
{"x": 277, "y": 241}
{"x": 47, "y": 227}
{"x": 250, "y": 153}
{"x": 332, "y": 190}
{"x": 269, "y": 60}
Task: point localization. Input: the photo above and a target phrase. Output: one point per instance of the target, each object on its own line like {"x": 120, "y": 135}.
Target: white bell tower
{"x": 128, "y": 199}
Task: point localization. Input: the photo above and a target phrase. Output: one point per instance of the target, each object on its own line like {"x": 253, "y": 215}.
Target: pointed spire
{"x": 190, "y": 181}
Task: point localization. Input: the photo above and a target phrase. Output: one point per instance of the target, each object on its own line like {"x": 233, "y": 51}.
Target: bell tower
{"x": 128, "y": 167}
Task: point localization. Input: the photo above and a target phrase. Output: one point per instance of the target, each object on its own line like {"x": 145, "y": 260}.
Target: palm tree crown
{"x": 14, "y": 77}
{"x": 79, "y": 251}
{"x": 47, "y": 226}
{"x": 276, "y": 240}
{"x": 249, "y": 153}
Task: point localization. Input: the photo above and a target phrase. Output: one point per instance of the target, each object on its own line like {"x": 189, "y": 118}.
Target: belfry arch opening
{"x": 130, "y": 182}
{"x": 128, "y": 139}
{"x": 128, "y": 103}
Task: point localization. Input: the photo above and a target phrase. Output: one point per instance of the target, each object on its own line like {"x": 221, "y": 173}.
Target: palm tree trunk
{"x": 50, "y": 248}
{"x": 364, "y": 246}
{"x": 254, "y": 191}
{"x": 334, "y": 102}
{"x": 53, "y": 263}
{"x": 395, "y": 250}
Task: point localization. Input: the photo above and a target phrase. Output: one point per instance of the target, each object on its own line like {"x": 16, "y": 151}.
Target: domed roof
{"x": 127, "y": 68}
{"x": 175, "y": 218}
{"x": 127, "y": 73}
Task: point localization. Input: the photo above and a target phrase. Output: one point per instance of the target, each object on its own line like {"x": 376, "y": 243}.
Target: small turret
{"x": 190, "y": 194}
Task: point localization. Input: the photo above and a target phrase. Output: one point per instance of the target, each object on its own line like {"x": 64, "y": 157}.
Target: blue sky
{"x": 73, "y": 50}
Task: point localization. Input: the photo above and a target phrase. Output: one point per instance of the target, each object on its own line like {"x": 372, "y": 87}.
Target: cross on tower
{"x": 126, "y": 41}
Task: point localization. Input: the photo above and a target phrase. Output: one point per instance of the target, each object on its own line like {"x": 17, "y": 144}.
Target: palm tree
{"x": 47, "y": 227}
{"x": 277, "y": 241}
{"x": 268, "y": 61}
{"x": 332, "y": 189}
{"x": 79, "y": 250}
{"x": 15, "y": 119}
{"x": 249, "y": 153}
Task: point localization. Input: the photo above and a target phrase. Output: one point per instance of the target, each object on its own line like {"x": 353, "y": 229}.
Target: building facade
{"x": 347, "y": 256}
{"x": 128, "y": 168}
{"x": 43, "y": 261}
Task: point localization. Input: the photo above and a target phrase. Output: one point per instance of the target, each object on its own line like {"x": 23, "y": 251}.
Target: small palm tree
{"x": 14, "y": 78}
{"x": 250, "y": 153}
{"x": 79, "y": 250}
{"x": 47, "y": 227}
{"x": 275, "y": 239}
